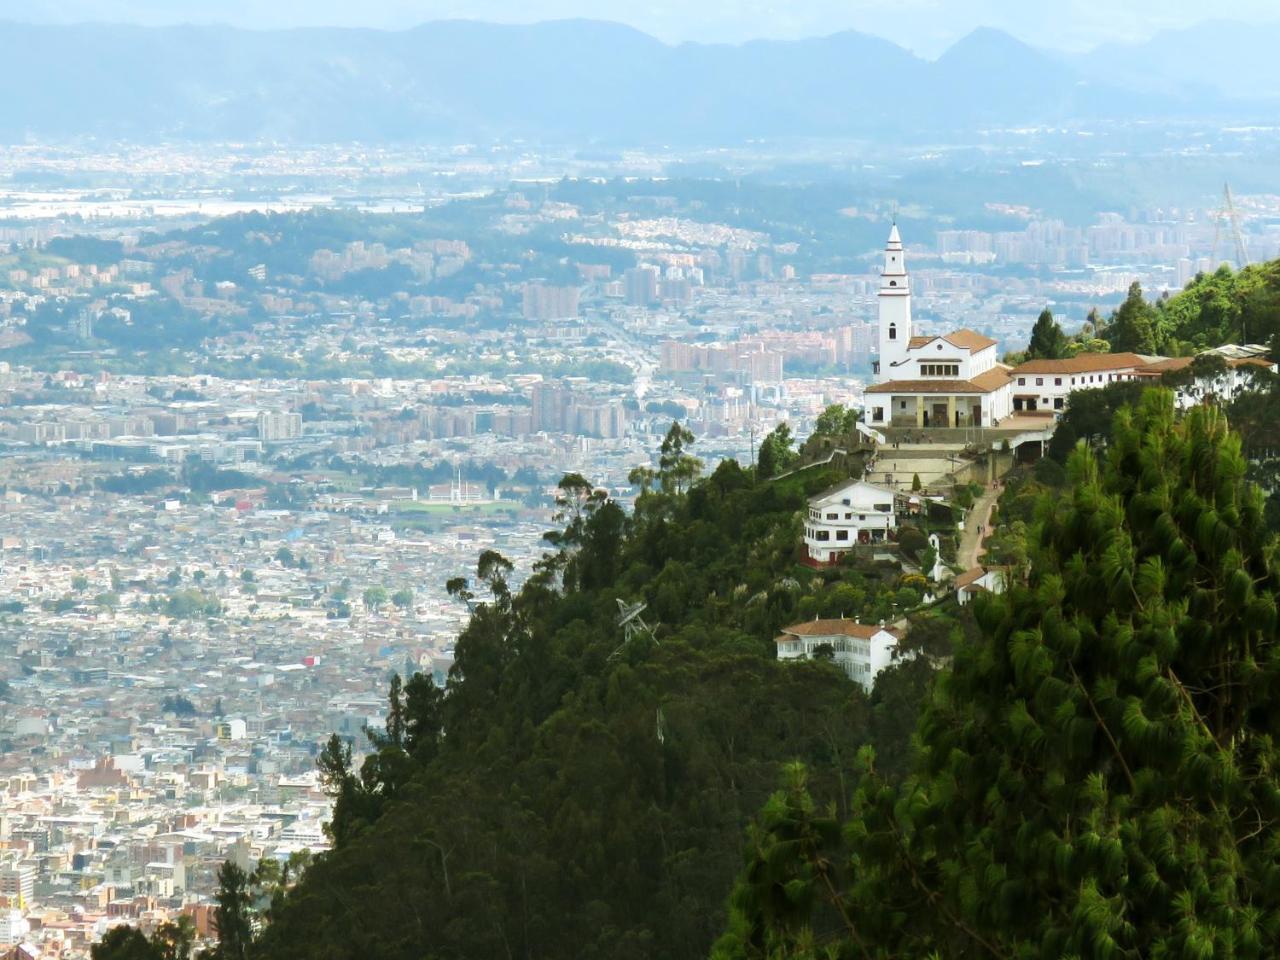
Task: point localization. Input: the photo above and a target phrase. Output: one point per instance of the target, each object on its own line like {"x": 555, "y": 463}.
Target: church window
{"x": 893, "y": 283}
{"x": 893, "y": 331}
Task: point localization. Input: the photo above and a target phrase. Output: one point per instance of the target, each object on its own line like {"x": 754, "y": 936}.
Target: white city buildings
{"x": 851, "y": 513}
{"x": 861, "y": 650}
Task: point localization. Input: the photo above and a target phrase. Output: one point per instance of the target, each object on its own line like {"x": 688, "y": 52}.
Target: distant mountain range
{"x": 574, "y": 81}
{"x": 1218, "y": 57}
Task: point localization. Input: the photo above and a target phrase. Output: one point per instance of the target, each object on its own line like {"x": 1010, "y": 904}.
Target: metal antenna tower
{"x": 1229, "y": 214}
{"x": 632, "y": 624}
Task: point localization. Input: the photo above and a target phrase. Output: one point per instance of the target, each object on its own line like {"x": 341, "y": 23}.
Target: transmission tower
{"x": 1232, "y": 218}
{"x": 632, "y": 624}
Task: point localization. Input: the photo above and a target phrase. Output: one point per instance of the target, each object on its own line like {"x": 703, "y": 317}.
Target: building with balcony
{"x": 851, "y": 513}
{"x": 861, "y": 650}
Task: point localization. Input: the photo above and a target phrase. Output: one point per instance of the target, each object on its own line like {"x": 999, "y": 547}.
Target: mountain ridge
{"x": 558, "y": 80}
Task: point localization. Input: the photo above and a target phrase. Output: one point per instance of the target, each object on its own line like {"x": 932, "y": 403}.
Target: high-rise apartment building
{"x": 544, "y": 302}
{"x": 279, "y": 425}
{"x": 641, "y": 285}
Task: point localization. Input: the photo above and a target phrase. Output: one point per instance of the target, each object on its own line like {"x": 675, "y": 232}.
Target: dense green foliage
{"x": 1097, "y": 773}
{"x": 171, "y": 941}
{"x": 1222, "y": 307}
{"x": 1089, "y": 417}
{"x": 576, "y": 795}
{"x": 776, "y": 452}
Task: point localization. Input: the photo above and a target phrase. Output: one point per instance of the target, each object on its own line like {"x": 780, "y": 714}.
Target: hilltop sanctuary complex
{"x": 955, "y": 380}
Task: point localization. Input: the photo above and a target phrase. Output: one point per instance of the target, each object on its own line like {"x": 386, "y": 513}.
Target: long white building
{"x": 861, "y": 650}
{"x": 1044, "y": 384}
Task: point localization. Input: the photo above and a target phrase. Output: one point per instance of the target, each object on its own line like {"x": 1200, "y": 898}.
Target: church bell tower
{"x": 895, "y": 311}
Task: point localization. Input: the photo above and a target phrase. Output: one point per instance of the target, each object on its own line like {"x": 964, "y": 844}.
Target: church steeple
{"x": 894, "y": 274}
{"x": 895, "y": 309}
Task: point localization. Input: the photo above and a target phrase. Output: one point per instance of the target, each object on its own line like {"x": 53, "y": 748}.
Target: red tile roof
{"x": 832, "y": 628}
{"x": 1083, "y": 363}
{"x": 988, "y": 382}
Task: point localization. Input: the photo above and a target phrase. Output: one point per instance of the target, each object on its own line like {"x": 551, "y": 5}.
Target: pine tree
{"x": 790, "y": 882}
{"x": 1048, "y": 342}
{"x": 395, "y": 713}
{"x": 231, "y": 916}
{"x": 776, "y": 453}
{"x": 1133, "y": 328}
{"x": 1098, "y": 772}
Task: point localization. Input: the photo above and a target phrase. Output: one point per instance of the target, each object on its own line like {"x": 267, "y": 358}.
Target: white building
{"x": 1044, "y": 384}
{"x": 861, "y": 650}
{"x": 979, "y": 579}
{"x": 953, "y": 380}
{"x": 14, "y": 928}
{"x": 1236, "y": 377}
{"x": 1041, "y": 385}
{"x": 849, "y": 513}
{"x": 279, "y": 425}
{"x": 18, "y": 883}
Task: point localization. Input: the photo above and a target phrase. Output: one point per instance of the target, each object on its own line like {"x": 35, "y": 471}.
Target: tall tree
{"x": 776, "y": 453}
{"x": 175, "y": 939}
{"x": 232, "y": 913}
{"x": 677, "y": 468}
{"x": 395, "y": 713}
{"x": 836, "y": 420}
{"x": 1133, "y": 327}
{"x": 1048, "y": 342}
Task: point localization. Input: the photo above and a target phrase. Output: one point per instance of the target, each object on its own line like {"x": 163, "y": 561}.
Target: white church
{"x": 952, "y": 380}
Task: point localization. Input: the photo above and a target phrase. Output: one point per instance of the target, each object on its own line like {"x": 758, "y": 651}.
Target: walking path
{"x": 971, "y": 548}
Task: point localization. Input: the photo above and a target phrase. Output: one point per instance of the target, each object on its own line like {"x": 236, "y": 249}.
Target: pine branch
{"x": 1115, "y": 747}
{"x": 937, "y": 900}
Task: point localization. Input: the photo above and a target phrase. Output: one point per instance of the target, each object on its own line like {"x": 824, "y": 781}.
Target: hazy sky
{"x": 925, "y": 26}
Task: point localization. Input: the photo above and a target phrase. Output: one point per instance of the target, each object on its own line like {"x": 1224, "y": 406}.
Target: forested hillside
{"x": 574, "y": 797}
{"x": 1097, "y": 773}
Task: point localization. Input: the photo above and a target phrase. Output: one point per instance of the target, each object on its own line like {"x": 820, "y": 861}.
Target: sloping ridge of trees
{"x": 1097, "y": 774}
{"x": 574, "y": 795}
